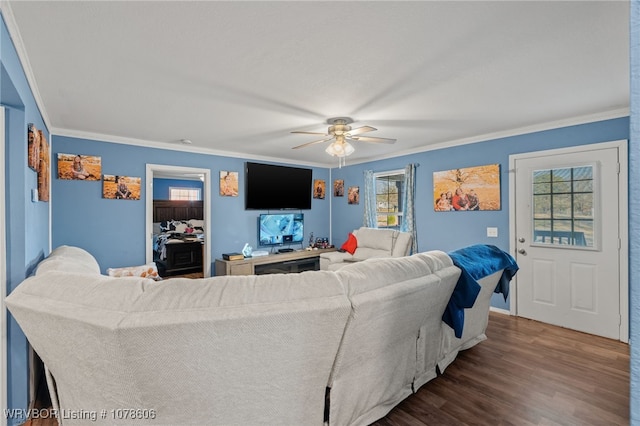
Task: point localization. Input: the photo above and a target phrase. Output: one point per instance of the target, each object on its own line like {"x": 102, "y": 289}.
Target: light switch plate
{"x": 34, "y": 195}
{"x": 492, "y": 232}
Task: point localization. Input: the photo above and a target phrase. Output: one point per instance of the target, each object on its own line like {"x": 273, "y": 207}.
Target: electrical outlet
{"x": 492, "y": 232}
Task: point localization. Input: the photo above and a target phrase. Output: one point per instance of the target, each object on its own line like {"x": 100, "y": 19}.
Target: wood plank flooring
{"x": 525, "y": 373}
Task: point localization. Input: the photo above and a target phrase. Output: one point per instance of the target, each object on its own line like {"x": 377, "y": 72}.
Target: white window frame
{"x": 197, "y": 191}
{"x": 378, "y": 213}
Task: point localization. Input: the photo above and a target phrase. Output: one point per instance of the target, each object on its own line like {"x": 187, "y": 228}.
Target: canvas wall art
{"x": 338, "y": 188}
{"x": 33, "y": 146}
{"x": 121, "y": 187}
{"x": 467, "y": 189}
{"x": 319, "y": 188}
{"x": 43, "y": 167}
{"x": 228, "y": 184}
{"x": 79, "y": 167}
{"x": 353, "y": 195}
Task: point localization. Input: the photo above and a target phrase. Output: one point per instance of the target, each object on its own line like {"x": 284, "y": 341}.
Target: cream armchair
{"x": 371, "y": 243}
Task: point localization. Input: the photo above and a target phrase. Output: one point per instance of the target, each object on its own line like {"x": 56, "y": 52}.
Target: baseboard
{"x": 499, "y": 310}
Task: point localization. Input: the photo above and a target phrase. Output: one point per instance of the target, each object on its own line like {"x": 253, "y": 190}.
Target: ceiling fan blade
{"x": 360, "y": 130}
{"x": 374, "y": 140}
{"x": 309, "y": 133}
{"x": 312, "y": 143}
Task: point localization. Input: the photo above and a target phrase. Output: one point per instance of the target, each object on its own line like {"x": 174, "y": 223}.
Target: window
{"x": 563, "y": 206}
{"x": 188, "y": 194}
{"x": 389, "y": 190}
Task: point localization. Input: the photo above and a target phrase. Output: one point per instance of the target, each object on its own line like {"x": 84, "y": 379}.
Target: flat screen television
{"x": 271, "y": 187}
{"x": 280, "y": 229}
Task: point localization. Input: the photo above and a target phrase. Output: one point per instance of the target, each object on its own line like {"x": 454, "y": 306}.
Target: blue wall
{"x": 27, "y": 222}
{"x": 450, "y": 231}
{"x": 161, "y": 186}
{"x": 114, "y": 230}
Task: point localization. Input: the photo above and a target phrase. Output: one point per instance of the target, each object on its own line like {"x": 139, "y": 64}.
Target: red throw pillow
{"x": 351, "y": 244}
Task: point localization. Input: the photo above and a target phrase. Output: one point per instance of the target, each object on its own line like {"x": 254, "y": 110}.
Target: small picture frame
{"x": 319, "y": 188}
{"x": 353, "y": 195}
{"x": 338, "y": 188}
{"x": 118, "y": 187}
{"x": 228, "y": 183}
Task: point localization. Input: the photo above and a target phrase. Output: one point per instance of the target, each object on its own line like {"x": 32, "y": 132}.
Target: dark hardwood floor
{"x": 525, "y": 373}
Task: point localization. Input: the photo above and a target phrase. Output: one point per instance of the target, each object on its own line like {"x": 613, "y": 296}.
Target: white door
{"x": 568, "y": 243}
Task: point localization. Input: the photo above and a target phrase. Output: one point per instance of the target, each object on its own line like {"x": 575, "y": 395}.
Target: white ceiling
{"x": 236, "y": 77}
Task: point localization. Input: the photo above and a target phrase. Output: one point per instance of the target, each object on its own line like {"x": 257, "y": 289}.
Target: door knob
{"x": 521, "y": 251}
{"x": 521, "y": 239}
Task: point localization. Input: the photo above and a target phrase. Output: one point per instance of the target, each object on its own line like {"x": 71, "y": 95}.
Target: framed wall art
{"x": 79, "y": 167}
{"x": 43, "y": 167}
{"x": 33, "y": 146}
{"x": 338, "y": 188}
{"x": 319, "y": 188}
{"x": 467, "y": 189}
{"x": 353, "y": 195}
{"x": 121, "y": 187}
{"x": 228, "y": 183}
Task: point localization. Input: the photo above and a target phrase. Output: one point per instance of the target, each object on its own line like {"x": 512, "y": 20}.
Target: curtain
{"x": 408, "y": 209}
{"x": 369, "y": 219}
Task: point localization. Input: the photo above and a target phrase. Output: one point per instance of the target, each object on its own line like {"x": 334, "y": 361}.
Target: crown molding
{"x": 18, "y": 43}
{"x": 177, "y": 146}
{"x": 567, "y": 122}
{"x": 607, "y": 115}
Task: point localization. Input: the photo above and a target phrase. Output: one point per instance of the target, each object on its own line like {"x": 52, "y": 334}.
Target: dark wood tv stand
{"x": 281, "y": 263}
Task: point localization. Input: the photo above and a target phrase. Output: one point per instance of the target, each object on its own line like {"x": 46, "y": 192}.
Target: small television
{"x": 280, "y": 229}
{"x": 271, "y": 187}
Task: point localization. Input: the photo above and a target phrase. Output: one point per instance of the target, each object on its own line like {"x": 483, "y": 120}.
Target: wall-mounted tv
{"x": 280, "y": 229}
{"x": 271, "y": 187}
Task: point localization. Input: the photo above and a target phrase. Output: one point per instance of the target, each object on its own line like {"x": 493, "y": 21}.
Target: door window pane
{"x": 563, "y": 206}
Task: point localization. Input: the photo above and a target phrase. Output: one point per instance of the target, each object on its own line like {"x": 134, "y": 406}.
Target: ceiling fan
{"x": 340, "y": 132}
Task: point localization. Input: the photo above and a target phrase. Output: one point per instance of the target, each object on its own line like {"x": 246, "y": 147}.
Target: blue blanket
{"x": 476, "y": 262}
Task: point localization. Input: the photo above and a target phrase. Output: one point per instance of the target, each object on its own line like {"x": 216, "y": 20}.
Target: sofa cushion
{"x": 381, "y": 239}
{"x": 402, "y": 244}
{"x": 69, "y": 259}
{"x": 364, "y": 253}
{"x": 351, "y": 244}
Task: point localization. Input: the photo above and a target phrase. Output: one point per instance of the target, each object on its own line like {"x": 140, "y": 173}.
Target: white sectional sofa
{"x": 323, "y": 347}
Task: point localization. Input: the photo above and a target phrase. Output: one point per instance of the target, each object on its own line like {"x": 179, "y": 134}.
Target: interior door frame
{"x": 623, "y": 220}
{"x": 206, "y": 194}
{"x": 3, "y": 272}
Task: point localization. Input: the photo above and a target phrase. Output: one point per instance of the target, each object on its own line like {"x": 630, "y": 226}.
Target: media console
{"x": 281, "y": 263}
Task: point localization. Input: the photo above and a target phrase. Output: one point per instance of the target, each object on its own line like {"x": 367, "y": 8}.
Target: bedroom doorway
{"x": 180, "y": 173}
{"x": 569, "y": 237}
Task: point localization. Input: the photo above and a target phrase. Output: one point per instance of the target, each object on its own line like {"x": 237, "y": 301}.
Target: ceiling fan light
{"x": 348, "y": 149}
{"x": 333, "y": 149}
{"x": 340, "y": 149}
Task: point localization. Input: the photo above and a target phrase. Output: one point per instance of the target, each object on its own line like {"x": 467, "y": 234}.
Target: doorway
{"x": 568, "y": 221}
{"x": 179, "y": 172}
